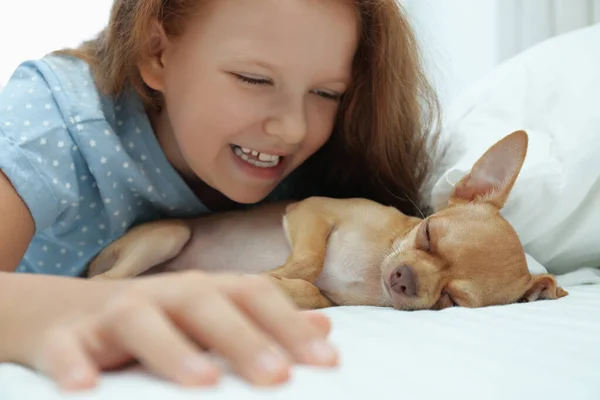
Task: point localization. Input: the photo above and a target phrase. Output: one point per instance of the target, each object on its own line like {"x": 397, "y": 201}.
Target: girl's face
{"x": 251, "y": 89}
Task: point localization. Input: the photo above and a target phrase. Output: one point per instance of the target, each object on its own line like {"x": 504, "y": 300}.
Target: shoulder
{"x": 44, "y": 109}
{"x": 55, "y": 86}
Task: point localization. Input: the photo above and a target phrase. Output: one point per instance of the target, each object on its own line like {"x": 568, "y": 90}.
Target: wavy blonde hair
{"x": 385, "y": 137}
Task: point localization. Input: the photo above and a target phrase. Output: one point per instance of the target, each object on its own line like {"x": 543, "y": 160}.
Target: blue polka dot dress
{"x": 87, "y": 166}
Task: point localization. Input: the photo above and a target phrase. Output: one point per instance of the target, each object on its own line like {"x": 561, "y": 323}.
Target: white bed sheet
{"x": 548, "y": 350}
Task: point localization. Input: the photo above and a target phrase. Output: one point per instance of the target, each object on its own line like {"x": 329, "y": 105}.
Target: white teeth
{"x": 263, "y": 157}
{"x": 264, "y": 160}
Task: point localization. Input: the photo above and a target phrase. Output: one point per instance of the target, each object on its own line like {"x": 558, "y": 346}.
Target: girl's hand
{"x": 168, "y": 322}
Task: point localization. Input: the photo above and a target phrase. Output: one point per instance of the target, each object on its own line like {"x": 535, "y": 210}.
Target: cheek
{"x": 209, "y": 113}
{"x": 198, "y": 96}
{"x": 430, "y": 279}
{"x": 322, "y": 115}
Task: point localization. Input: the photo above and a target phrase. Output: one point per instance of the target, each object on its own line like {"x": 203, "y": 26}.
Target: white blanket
{"x": 543, "y": 350}
{"x": 546, "y": 349}
{"x": 553, "y": 92}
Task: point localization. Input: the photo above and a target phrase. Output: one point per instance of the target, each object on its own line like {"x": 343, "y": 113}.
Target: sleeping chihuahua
{"x": 324, "y": 252}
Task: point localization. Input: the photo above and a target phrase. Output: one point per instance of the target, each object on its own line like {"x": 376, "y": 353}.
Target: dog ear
{"x": 543, "y": 287}
{"x": 492, "y": 177}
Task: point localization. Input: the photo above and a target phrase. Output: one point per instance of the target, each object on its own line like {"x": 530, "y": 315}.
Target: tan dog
{"x": 355, "y": 251}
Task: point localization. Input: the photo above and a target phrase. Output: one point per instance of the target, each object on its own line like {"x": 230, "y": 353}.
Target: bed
{"x": 545, "y": 349}
{"x": 548, "y": 350}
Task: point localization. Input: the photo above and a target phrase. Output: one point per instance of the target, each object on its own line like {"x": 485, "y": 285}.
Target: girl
{"x": 184, "y": 107}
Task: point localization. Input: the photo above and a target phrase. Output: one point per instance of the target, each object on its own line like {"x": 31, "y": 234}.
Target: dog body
{"x": 257, "y": 242}
{"x": 324, "y": 251}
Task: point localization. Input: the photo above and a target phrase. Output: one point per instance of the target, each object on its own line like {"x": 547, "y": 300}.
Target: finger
{"x": 274, "y": 312}
{"x": 218, "y": 324}
{"x": 147, "y": 333}
{"x": 319, "y": 321}
{"x": 106, "y": 354}
{"x": 62, "y": 358}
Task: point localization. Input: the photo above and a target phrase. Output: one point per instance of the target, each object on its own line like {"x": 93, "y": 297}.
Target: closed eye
{"x": 424, "y": 237}
{"x": 264, "y": 81}
{"x": 328, "y": 95}
{"x": 251, "y": 80}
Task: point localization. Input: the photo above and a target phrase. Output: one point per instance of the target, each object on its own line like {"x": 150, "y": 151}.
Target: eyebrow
{"x": 247, "y": 59}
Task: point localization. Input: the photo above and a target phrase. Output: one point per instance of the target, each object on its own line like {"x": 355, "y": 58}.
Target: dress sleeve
{"x": 37, "y": 151}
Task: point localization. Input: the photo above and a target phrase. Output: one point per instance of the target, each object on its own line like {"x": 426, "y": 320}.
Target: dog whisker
{"x": 409, "y": 199}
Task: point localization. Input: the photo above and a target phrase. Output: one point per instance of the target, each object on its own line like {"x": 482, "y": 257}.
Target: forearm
{"x": 31, "y": 303}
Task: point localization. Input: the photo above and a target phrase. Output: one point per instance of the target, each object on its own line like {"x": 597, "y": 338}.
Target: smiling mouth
{"x": 256, "y": 158}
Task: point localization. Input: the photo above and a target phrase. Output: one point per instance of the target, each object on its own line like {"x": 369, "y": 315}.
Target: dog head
{"x": 468, "y": 254}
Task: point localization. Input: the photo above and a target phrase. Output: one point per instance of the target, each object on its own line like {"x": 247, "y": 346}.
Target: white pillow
{"x": 553, "y": 92}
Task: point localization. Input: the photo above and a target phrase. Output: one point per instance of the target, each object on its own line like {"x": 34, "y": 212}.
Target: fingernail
{"x": 321, "y": 352}
{"x": 271, "y": 362}
{"x": 77, "y": 378}
{"x": 196, "y": 369}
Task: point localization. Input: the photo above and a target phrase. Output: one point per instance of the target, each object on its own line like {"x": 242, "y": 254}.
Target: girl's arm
{"x": 16, "y": 231}
{"x": 30, "y": 303}
{"x": 16, "y": 226}
{"x": 71, "y": 328}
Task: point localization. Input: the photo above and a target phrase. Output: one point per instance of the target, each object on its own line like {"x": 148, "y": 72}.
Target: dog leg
{"x": 140, "y": 249}
{"x": 303, "y": 293}
{"x": 307, "y": 227}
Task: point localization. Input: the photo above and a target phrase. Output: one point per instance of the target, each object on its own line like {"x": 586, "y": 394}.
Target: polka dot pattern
{"x": 87, "y": 166}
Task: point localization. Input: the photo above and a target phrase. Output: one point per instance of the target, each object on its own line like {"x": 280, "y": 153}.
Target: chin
{"x": 246, "y": 197}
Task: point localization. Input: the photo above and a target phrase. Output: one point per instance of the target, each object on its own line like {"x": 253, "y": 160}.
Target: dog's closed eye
{"x": 424, "y": 237}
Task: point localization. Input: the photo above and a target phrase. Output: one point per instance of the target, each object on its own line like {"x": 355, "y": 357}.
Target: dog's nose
{"x": 403, "y": 281}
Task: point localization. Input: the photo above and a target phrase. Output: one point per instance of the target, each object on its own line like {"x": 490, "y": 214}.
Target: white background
{"x": 462, "y": 39}
{"x": 462, "y": 48}
{"x": 31, "y": 28}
